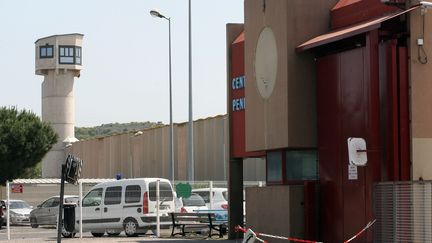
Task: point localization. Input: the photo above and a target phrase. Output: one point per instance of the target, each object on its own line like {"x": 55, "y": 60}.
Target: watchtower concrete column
{"x": 59, "y": 60}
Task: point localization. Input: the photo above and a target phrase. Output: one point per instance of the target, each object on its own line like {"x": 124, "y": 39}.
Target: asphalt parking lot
{"x": 25, "y": 233}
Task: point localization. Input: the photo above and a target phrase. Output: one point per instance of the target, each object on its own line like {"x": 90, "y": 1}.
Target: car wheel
{"x": 130, "y": 227}
{"x": 33, "y": 223}
{"x": 67, "y": 234}
{"x": 97, "y": 234}
{"x": 112, "y": 232}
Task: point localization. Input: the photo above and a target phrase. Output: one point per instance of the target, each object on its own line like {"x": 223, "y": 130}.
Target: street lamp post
{"x": 157, "y": 14}
{"x": 139, "y": 133}
{"x": 190, "y": 133}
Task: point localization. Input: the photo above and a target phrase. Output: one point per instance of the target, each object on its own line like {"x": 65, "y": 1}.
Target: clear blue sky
{"x": 125, "y": 56}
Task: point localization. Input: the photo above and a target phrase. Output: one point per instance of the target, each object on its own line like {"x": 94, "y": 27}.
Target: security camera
{"x": 426, "y": 4}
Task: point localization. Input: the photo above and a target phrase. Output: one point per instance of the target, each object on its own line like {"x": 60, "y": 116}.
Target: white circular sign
{"x": 266, "y": 62}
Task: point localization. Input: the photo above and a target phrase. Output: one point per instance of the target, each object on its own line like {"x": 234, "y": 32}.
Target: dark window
{"x": 56, "y": 202}
{"x": 274, "y": 166}
{"x": 165, "y": 191}
{"x": 70, "y": 55}
{"x": 46, "y": 51}
{"x": 133, "y": 194}
{"x": 291, "y": 166}
{"x": 48, "y": 203}
{"x": 113, "y": 195}
{"x": 301, "y": 165}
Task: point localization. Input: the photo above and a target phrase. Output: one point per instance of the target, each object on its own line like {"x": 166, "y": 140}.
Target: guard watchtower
{"x": 59, "y": 60}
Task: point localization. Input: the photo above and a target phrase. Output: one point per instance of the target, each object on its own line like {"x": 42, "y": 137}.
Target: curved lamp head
{"x": 155, "y": 13}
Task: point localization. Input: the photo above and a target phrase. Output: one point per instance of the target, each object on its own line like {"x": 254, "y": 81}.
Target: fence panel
{"x": 403, "y": 211}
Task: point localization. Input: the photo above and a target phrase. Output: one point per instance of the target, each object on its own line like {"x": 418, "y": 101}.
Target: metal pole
{"x": 60, "y": 214}
{"x": 80, "y": 205}
{"x": 157, "y": 209}
{"x": 190, "y": 134}
{"x": 171, "y": 115}
{"x": 211, "y": 194}
{"x": 7, "y": 210}
{"x": 130, "y": 157}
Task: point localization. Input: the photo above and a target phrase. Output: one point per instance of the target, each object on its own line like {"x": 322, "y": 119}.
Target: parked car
{"x": 220, "y": 197}
{"x": 19, "y": 211}
{"x": 128, "y": 204}
{"x": 194, "y": 203}
{"x": 46, "y": 213}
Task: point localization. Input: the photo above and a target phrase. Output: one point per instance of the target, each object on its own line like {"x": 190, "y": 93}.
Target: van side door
{"x": 91, "y": 207}
{"x": 133, "y": 206}
{"x": 112, "y": 208}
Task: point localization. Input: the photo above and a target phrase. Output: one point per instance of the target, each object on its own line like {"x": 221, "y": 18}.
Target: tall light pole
{"x": 139, "y": 133}
{"x": 190, "y": 134}
{"x": 157, "y": 14}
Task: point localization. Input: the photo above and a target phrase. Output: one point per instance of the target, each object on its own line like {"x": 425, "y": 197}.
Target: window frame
{"x": 76, "y": 52}
{"x": 46, "y": 47}
{"x": 128, "y": 196}
{"x": 112, "y": 192}
{"x": 285, "y": 180}
{"x": 73, "y": 55}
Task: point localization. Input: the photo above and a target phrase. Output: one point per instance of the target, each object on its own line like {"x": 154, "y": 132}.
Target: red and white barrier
{"x": 361, "y": 231}
{"x": 249, "y": 239}
{"x": 251, "y": 236}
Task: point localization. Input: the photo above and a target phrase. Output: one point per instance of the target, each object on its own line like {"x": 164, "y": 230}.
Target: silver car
{"x": 19, "y": 211}
{"x": 47, "y": 212}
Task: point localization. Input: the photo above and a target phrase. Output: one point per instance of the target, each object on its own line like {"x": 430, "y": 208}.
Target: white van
{"x": 128, "y": 204}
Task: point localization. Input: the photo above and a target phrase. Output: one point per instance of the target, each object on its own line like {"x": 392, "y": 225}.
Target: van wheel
{"x": 33, "y": 223}
{"x": 130, "y": 227}
{"x": 97, "y": 234}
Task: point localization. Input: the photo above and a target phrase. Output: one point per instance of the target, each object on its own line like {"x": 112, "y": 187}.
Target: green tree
{"x": 24, "y": 140}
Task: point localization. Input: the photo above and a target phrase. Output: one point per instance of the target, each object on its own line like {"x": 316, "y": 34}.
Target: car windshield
{"x": 194, "y": 200}
{"x": 18, "y": 205}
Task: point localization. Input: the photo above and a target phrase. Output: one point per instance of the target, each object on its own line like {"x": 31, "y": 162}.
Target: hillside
{"x": 84, "y": 133}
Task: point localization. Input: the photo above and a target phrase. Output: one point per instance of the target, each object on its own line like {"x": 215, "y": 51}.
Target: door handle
{"x": 105, "y": 210}
{"x": 97, "y": 209}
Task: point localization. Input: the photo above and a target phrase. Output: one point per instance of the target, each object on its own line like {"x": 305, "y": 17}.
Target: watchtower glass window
{"x": 46, "y": 51}
{"x": 78, "y": 55}
{"x": 70, "y": 55}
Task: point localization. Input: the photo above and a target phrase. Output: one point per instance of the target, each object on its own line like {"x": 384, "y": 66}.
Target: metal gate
{"x": 403, "y": 211}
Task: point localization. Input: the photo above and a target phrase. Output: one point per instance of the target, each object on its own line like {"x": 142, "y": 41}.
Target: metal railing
{"x": 403, "y": 211}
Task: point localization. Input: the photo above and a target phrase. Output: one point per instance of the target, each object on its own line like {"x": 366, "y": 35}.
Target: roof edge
{"x": 58, "y": 36}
